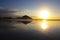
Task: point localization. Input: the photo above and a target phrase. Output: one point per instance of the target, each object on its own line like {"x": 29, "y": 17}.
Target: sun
{"x": 44, "y": 14}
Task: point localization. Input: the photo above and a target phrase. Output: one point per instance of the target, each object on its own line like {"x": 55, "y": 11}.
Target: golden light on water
{"x": 44, "y": 24}
{"x": 44, "y": 14}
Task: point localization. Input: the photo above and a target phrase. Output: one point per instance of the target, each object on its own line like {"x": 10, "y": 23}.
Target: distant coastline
{"x": 25, "y": 17}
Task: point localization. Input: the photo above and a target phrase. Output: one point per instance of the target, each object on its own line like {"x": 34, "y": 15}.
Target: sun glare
{"x": 44, "y": 14}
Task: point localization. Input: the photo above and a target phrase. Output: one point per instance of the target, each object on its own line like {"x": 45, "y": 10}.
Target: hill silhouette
{"x": 26, "y": 17}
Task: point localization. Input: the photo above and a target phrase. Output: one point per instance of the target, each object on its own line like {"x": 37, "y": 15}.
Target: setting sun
{"x": 44, "y": 14}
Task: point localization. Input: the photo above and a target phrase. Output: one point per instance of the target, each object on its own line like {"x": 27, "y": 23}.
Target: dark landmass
{"x": 25, "y": 18}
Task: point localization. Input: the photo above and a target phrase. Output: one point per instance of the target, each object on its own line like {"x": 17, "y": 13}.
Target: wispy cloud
{"x": 24, "y": 12}
{"x": 14, "y": 12}
{"x": 6, "y": 12}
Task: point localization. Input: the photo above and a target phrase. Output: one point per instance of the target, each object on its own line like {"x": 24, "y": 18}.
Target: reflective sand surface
{"x": 36, "y": 29}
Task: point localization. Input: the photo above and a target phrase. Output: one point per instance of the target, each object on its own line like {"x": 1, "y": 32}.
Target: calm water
{"x": 43, "y": 30}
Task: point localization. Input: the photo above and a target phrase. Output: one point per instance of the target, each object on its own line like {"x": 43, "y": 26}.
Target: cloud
{"x": 6, "y": 12}
{"x": 14, "y": 12}
{"x": 23, "y": 12}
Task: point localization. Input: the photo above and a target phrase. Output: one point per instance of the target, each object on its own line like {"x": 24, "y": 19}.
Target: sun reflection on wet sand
{"x": 44, "y": 25}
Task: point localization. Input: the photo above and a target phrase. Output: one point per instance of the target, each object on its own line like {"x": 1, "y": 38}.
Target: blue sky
{"x": 31, "y": 5}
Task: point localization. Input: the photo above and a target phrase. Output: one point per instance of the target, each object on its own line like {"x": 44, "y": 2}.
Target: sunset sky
{"x": 29, "y": 7}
